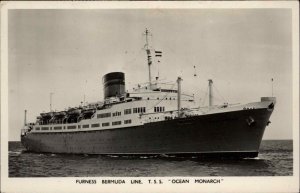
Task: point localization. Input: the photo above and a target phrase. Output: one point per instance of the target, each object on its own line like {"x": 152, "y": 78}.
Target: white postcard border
{"x": 68, "y": 184}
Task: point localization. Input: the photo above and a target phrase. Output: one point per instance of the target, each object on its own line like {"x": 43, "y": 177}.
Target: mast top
{"x": 147, "y": 34}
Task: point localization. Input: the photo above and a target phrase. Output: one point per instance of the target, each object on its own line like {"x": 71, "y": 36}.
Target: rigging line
{"x": 166, "y": 83}
{"x": 219, "y": 93}
{"x": 161, "y": 99}
{"x": 181, "y": 58}
{"x": 169, "y": 82}
{"x": 146, "y": 83}
{"x": 203, "y": 110}
{"x": 206, "y": 93}
{"x": 136, "y": 56}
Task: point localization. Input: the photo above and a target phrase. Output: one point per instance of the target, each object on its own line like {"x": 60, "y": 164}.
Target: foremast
{"x": 149, "y": 60}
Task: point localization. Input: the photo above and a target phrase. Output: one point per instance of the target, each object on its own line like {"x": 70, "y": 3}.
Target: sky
{"x": 66, "y": 52}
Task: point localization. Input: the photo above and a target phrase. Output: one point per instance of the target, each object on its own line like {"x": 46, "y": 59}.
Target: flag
{"x": 158, "y": 53}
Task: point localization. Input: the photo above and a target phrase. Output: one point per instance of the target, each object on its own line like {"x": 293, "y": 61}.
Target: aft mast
{"x": 25, "y": 121}
{"x": 210, "y": 93}
{"x": 179, "y": 79}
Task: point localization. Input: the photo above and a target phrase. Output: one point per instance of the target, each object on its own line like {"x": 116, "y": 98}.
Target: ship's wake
{"x": 14, "y": 152}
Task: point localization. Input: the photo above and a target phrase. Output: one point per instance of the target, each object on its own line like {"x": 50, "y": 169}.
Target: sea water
{"x": 275, "y": 159}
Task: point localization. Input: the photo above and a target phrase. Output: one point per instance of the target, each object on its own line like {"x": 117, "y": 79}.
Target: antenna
{"x": 210, "y": 95}
{"x": 25, "y": 121}
{"x": 84, "y": 93}
{"x": 272, "y": 80}
{"x": 51, "y": 93}
{"x": 157, "y": 77}
{"x": 147, "y": 34}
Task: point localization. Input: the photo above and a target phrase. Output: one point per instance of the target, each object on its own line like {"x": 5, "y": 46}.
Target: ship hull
{"x": 227, "y": 134}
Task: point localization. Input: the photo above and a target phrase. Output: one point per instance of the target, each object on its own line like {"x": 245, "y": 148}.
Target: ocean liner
{"x": 151, "y": 119}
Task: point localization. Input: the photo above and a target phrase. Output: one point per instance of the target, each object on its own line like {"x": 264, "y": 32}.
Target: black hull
{"x": 222, "y": 134}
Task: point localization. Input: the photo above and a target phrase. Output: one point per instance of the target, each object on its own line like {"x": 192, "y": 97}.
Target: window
{"x": 167, "y": 90}
{"x": 105, "y": 124}
{"x": 45, "y": 128}
{"x": 37, "y": 128}
{"x": 127, "y": 111}
{"x": 116, "y": 114}
{"x": 57, "y": 128}
{"x": 159, "y": 109}
{"x": 139, "y": 110}
{"x": 127, "y": 121}
{"x": 95, "y": 125}
{"x": 85, "y": 126}
{"x": 116, "y": 123}
{"x": 72, "y": 127}
{"x": 104, "y": 115}
{"x": 79, "y": 126}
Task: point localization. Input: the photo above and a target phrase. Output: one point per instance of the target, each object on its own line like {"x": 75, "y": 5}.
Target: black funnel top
{"x": 114, "y": 84}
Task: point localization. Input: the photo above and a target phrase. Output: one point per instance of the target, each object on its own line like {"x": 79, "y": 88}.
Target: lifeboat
{"x": 46, "y": 115}
{"x": 88, "y": 113}
{"x": 74, "y": 111}
{"x": 45, "y": 118}
{"x": 59, "y": 115}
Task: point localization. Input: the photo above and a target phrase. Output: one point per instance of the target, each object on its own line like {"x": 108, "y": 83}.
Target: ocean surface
{"x": 275, "y": 159}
